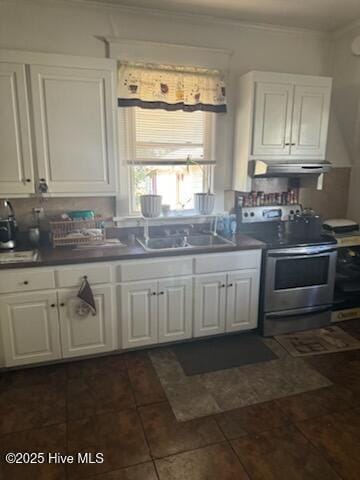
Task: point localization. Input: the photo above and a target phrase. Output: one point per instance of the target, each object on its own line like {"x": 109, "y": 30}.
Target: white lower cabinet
{"x": 242, "y": 300}
{"x": 175, "y": 309}
{"x": 30, "y": 328}
{"x": 86, "y": 334}
{"x": 226, "y": 302}
{"x": 209, "y": 304}
{"x": 156, "y": 311}
{"x": 139, "y": 311}
{"x": 195, "y": 296}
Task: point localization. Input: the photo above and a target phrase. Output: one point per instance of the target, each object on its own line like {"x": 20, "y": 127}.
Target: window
{"x": 169, "y": 153}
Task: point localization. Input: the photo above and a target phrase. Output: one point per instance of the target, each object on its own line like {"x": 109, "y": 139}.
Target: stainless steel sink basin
{"x": 164, "y": 243}
{"x": 184, "y": 242}
{"x": 208, "y": 240}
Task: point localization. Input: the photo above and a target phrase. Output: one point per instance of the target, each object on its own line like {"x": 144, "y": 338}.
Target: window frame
{"x": 129, "y": 150}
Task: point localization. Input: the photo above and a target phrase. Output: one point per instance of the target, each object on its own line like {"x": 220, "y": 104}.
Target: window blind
{"x": 168, "y": 137}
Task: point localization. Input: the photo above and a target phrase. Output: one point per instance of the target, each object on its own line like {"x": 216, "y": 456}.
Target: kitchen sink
{"x": 164, "y": 243}
{"x": 184, "y": 242}
{"x": 208, "y": 240}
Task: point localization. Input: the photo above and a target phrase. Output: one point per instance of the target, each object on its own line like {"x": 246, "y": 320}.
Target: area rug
{"x": 215, "y": 392}
{"x": 318, "y": 342}
{"x": 220, "y": 353}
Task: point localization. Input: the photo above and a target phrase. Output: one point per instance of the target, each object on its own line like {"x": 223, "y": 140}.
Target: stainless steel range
{"x": 299, "y": 267}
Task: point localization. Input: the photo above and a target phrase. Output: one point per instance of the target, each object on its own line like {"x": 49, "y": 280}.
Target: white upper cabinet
{"x": 74, "y": 131}
{"x": 272, "y": 119}
{"x": 16, "y": 168}
{"x": 310, "y": 121}
{"x": 72, "y": 121}
{"x": 280, "y": 117}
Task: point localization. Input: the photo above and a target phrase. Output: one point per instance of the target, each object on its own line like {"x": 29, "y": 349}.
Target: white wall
{"x": 65, "y": 28}
{"x": 346, "y": 73}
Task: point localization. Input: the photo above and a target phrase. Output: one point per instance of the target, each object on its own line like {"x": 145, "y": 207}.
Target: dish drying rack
{"x": 66, "y": 233}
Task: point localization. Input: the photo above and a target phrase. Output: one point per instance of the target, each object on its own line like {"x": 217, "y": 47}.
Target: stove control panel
{"x": 269, "y": 214}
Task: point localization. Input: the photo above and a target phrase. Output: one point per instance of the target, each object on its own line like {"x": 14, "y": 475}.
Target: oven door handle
{"x": 313, "y": 253}
{"x": 298, "y": 313}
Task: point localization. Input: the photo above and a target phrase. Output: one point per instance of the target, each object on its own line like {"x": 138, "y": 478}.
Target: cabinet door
{"x": 74, "y": 128}
{"x": 30, "y": 328}
{"x": 175, "y": 309}
{"x": 15, "y": 147}
{"x": 242, "y": 300}
{"x": 310, "y": 121}
{"x": 209, "y": 304}
{"x": 272, "y": 119}
{"x": 83, "y": 333}
{"x": 139, "y": 314}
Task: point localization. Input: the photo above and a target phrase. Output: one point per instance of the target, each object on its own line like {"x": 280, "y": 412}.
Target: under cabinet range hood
{"x": 263, "y": 169}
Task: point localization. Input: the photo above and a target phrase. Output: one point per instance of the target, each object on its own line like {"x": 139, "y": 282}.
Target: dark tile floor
{"x": 115, "y": 405}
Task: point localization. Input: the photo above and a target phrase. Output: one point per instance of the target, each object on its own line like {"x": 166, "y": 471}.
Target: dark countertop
{"x": 67, "y": 256}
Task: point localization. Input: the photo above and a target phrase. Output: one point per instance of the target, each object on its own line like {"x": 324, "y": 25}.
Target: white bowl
{"x": 150, "y": 205}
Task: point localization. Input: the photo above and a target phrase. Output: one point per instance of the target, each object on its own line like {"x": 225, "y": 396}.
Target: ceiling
{"x": 326, "y": 15}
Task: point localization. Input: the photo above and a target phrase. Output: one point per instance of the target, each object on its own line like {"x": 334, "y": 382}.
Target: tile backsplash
{"x": 53, "y": 207}
{"x": 330, "y": 202}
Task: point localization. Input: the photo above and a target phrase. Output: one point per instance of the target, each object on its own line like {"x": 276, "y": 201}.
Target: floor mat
{"x": 220, "y": 353}
{"x": 215, "y": 392}
{"x": 318, "y": 342}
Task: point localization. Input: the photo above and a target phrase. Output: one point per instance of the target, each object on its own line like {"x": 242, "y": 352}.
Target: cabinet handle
{"x": 230, "y": 284}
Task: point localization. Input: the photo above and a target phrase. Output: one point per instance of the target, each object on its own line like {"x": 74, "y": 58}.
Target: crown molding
{"x": 340, "y": 32}
{"x": 194, "y": 18}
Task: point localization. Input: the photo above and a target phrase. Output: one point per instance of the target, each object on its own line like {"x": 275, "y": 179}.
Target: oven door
{"x": 299, "y": 277}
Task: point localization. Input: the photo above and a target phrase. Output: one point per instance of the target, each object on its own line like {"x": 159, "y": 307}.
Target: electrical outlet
{"x": 38, "y": 212}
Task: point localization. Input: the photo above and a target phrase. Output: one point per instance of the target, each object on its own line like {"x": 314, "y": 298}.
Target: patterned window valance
{"x": 171, "y": 88}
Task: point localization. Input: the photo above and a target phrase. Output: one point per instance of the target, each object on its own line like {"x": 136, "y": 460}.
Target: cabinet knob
{"x": 53, "y": 305}
{"x": 62, "y": 304}
{"x": 293, "y": 144}
{"x": 26, "y": 282}
{"x": 28, "y": 180}
{"x": 161, "y": 293}
{"x": 153, "y": 293}
{"x": 287, "y": 144}
{"x": 230, "y": 284}
{"x": 223, "y": 285}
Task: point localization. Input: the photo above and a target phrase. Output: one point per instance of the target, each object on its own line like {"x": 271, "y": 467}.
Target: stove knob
{"x": 246, "y": 214}
{"x": 252, "y": 214}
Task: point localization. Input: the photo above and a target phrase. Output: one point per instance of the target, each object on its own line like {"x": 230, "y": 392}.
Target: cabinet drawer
{"x": 224, "y": 262}
{"x": 73, "y": 276}
{"x": 147, "y": 269}
{"x": 26, "y": 280}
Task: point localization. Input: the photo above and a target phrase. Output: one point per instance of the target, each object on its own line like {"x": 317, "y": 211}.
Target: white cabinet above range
{"x": 280, "y": 117}
{"x": 58, "y": 124}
